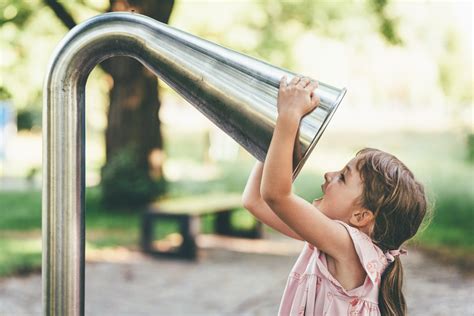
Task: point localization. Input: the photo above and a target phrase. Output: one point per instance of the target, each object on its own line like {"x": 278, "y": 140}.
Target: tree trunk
{"x": 133, "y": 126}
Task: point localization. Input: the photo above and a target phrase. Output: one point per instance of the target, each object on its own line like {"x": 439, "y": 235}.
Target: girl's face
{"x": 341, "y": 191}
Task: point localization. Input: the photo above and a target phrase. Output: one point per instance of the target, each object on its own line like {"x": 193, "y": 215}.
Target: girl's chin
{"x": 316, "y": 202}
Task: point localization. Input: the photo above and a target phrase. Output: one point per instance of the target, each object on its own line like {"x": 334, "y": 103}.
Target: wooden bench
{"x": 188, "y": 212}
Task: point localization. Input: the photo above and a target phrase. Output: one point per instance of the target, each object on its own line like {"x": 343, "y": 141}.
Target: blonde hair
{"x": 399, "y": 204}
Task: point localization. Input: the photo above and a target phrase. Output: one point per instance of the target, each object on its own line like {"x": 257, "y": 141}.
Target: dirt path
{"x": 231, "y": 277}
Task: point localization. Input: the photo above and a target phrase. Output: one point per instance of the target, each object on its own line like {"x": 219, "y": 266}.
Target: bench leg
{"x": 189, "y": 227}
{"x": 223, "y": 226}
{"x": 147, "y": 233}
{"x": 257, "y": 231}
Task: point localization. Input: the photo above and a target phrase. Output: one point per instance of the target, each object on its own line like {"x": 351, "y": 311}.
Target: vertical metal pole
{"x": 63, "y": 202}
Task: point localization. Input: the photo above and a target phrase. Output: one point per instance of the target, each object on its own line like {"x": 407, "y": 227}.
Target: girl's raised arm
{"x": 294, "y": 101}
{"x": 252, "y": 201}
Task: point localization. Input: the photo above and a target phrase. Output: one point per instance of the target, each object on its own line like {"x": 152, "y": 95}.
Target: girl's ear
{"x": 361, "y": 218}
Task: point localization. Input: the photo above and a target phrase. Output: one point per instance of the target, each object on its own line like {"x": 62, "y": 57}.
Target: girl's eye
{"x": 341, "y": 177}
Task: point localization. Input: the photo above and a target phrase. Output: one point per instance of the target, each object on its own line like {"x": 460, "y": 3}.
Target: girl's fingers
{"x": 314, "y": 100}
{"x": 283, "y": 82}
{"x": 303, "y": 82}
{"x": 313, "y": 85}
{"x": 294, "y": 81}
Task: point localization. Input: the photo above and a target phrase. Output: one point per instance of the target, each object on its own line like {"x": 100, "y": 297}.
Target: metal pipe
{"x": 238, "y": 93}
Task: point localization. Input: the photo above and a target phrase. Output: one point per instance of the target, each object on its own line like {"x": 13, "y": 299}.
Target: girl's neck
{"x": 368, "y": 230}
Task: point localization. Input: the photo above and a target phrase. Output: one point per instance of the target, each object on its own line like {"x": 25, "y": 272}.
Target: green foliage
{"x": 470, "y": 147}
{"x": 16, "y": 11}
{"x": 24, "y": 120}
{"x": 28, "y": 119}
{"x": 28, "y": 35}
{"x": 454, "y": 80}
{"x": 453, "y": 217}
{"x": 4, "y": 93}
{"x": 285, "y": 21}
{"x": 126, "y": 183}
{"x": 387, "y": 25}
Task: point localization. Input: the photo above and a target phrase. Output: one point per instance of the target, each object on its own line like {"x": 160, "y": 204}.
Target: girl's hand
{"x": 297, "y": 97}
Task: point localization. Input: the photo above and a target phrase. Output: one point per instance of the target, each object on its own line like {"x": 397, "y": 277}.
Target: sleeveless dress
{"x": 312, "y": 290}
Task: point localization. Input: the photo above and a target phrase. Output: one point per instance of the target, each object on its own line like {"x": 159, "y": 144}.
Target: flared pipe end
{"x": 319, "y": 133}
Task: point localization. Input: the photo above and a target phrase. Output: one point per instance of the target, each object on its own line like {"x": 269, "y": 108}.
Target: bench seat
{"x": 187, "y": 211}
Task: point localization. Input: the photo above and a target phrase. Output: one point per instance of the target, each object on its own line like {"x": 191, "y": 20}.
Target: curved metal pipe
{"x": 237, "y": 92}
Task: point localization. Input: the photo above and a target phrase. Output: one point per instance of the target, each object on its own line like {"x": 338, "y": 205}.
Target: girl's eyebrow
{"x": 349, "y": 170}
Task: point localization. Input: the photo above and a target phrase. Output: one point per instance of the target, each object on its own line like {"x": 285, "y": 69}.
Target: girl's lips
{"x": 316, "y": 202}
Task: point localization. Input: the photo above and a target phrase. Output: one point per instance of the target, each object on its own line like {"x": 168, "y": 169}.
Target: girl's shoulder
{"x": 357, "y": 236}
{"x": 370, "y": 255}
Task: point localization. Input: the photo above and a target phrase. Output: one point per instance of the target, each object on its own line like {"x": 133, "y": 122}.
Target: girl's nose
{"x": 328, "y": 176}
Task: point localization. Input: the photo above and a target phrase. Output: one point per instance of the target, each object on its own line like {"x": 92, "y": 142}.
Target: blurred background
{"x": 407, "y": 66}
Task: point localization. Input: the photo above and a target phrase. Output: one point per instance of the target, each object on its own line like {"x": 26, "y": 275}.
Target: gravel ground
{"x": 231, "y": 277}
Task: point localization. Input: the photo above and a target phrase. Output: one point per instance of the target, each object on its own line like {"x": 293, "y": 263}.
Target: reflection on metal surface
{"x": 238, "y": 93}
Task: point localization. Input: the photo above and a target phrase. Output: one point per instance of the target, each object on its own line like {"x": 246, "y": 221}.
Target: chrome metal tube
{"x": 236, "y": 92}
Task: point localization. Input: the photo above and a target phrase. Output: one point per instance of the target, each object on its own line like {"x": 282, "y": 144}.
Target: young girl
{"x": 353, "y": 234}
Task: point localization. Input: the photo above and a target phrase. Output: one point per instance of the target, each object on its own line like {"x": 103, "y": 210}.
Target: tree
{"x": 132, "y": 174}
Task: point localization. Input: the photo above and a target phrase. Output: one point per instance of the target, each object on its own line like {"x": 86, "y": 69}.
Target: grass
{"x": 20, "y": 228}
{"x": 21, "y": 211}
{"x": 439, "y": 160}
{"x": 19, "y": 255}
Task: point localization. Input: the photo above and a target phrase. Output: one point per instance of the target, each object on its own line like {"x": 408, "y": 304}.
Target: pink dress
{"x": 312, "y": 290}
